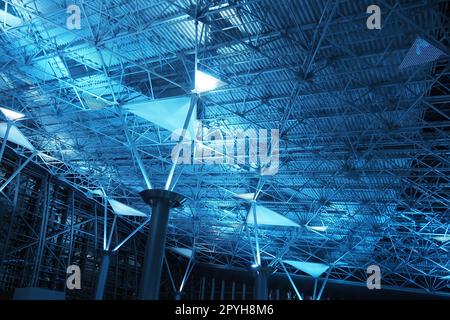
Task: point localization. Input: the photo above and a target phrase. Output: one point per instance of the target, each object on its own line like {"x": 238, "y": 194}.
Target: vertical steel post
{"x": 161, "y": 201}
{"x": 202, "y": 288}
{"x": 213, "y": 288}
{"x": 42, "y": 233}
{"x": 222, "y": 290}
{"x": 261, "y": 280}
{"x": 154, "y": 252}
{"x": 102, "y": 276}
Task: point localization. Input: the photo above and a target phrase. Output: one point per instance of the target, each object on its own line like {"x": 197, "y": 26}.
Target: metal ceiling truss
{"x": 364, "y": 146}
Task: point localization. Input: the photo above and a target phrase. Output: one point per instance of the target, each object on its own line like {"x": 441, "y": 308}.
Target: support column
{"x": 42, "y": 232}
{"x": 261, "y": 281}
{"x": 102, "y": 276}
{"x": 161, "y": 201}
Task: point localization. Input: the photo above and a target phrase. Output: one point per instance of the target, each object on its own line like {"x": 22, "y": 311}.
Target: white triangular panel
{"x": 47, "y": 158}
{"x": 246, "y": 196}
{"x": 97, "y": 192}
{"x": 312, "y": 268}
{"x": 124, "y": 210}
{"x": 318, "y": 228}
{"x": 15, "y": 136}
{"x": 266, "y": 216}
{"x": 11, "y": 114}
{"x": 205, "y": 82}
{"x": 9, "y": 19}
{"x": 182, "y": 251}
{"x": 421, "y": 52}
{"x": 169, "y": 114}
{"x": 443, "y": 238}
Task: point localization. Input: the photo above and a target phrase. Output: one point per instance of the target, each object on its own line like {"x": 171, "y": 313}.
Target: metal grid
{"x": 364, "y": 145}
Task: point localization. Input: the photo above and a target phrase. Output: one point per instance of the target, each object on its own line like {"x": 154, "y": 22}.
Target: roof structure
{"x": 364, "y": 157}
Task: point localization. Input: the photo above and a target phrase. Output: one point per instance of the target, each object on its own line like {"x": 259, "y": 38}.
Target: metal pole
{"x": 102, "y": 276}
{"x": 42, "y": 233}
{"x": 181, "y": 140}
{"x": 315, "y": 289}
{"x": 131, "y": 235}
{"x": 154, "y": 252}
{"x": 5, "y": 139}
{"x": 233, "y": 290}
{"x": 291, "y": 281}
{"x": 255, "y": 221}
{"x": 261, "y": 285}
{"x": 189, "y": 268}
{"x": 222, "y": 290}
{"x": 213, "y": 288}
{"x": 161, "y": 201}
{"x": 202, "y": 288}
{"x": 323, "y": 285}
{"x": 134, "y": 151}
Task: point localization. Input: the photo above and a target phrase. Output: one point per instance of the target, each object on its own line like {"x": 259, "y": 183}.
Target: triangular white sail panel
{"x": 169, "y": 113}
{"x": 9, "y": 19}
{"x": 266, "y": 216}
{"x": 312, "y": 268}
{"x": 246, "y": 196}
{"x": 124, "y": 210}
{"x": 443, "y": 238}
{"x": 47, "y": 158}
{"x": 205, "y": 82}
{"x": 11, "y": 115}
{"x": 318, "y": 228}
{"x": 182, "y": 251}
{"x": 15, "y": 136}
{"x": 421, "y": 52}
{"x": 98, "y": 192}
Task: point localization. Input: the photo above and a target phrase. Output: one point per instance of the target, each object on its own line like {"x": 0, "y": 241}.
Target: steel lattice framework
{"x": 364, "y": 145}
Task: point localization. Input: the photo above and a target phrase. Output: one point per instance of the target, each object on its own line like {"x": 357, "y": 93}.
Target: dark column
{"x": 102, "y": 276}
{"x": 261, "y": 291}
{"x": 161, "y": 201}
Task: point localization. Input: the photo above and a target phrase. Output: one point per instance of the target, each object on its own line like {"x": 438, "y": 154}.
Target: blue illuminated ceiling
{"x": 364, "y": 159}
